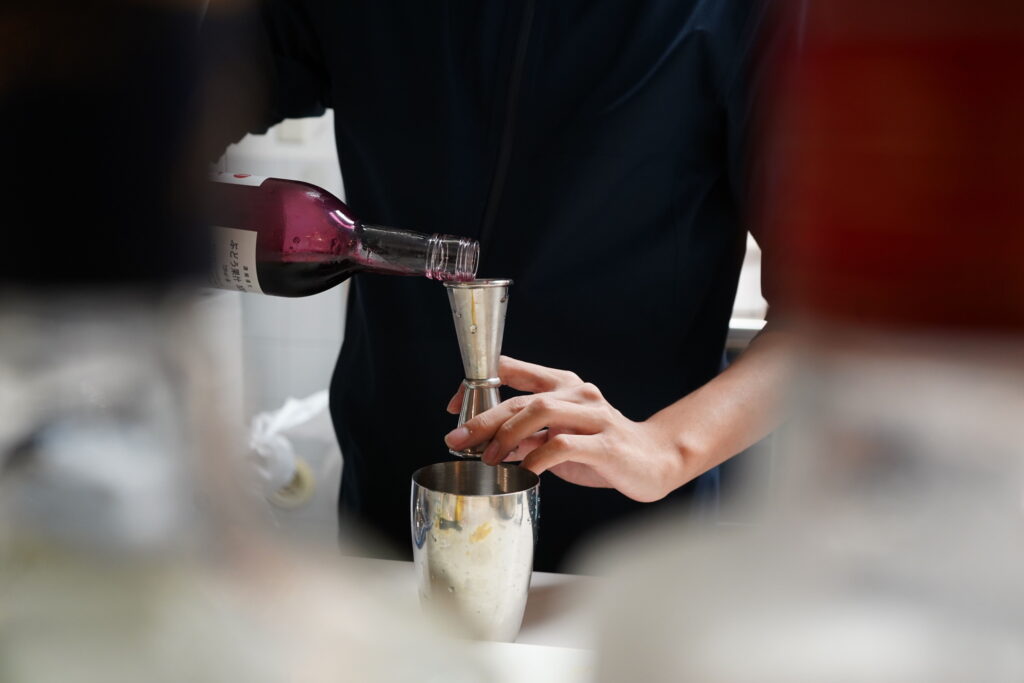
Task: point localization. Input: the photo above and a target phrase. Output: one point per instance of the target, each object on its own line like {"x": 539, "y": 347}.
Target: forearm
{"x": 733, "y": 411}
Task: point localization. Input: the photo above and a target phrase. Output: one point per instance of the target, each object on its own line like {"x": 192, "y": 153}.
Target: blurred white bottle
{"x": 128, "y": 548}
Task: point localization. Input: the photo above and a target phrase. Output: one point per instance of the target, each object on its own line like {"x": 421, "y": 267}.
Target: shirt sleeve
{"x": 263, "y": 63}
{"x": 743, "y": 94}
{"x": 299, "y": 80}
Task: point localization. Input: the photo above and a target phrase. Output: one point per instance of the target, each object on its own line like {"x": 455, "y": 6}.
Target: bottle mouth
{"x": 452, "y": 259}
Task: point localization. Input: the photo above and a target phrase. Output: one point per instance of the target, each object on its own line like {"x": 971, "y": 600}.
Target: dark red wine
{"x": 302, "y": 279}
{"x": 289, "y": 238}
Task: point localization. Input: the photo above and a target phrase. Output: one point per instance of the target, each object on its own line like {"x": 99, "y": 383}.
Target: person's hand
{"x": 566, "y": 426}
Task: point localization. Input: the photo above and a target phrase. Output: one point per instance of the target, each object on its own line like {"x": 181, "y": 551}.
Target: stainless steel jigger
{"x": 478, "y": 308}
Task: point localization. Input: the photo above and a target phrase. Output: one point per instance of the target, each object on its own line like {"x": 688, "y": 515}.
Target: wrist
{"x": 683, "y": 451}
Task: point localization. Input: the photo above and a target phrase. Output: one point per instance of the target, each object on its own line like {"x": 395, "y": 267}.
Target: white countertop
{"x": 557, "y": 637}
{"x": 555, "y": 612}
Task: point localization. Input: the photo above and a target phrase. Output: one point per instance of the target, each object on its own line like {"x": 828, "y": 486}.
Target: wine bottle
{"x": 290, "y": 238}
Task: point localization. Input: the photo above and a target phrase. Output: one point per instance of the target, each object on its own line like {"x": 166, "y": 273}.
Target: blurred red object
{"x": 893, "y": 184}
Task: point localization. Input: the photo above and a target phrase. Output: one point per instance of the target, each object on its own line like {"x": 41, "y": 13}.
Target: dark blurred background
{"x": 100, "y": 108}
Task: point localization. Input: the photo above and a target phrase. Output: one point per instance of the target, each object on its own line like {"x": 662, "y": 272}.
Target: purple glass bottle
{"x": 289, "y": 238}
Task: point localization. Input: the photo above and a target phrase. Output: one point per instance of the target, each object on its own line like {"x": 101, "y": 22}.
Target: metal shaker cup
{"x": 474, "y": 527}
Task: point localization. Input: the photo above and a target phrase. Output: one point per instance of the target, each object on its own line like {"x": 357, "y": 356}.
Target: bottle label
{"x": 239, "y": 178}
{"x": 234, "y": 254}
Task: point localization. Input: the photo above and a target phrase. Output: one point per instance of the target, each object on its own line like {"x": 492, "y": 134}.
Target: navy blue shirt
{"x": 593, "y": 147}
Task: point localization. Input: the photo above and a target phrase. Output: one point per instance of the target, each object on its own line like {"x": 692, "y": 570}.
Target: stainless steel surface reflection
{"x": 473, "y": 530}
{"x": 478, "y": 309}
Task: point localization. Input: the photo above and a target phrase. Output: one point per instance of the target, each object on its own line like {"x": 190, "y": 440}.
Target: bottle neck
{"x": 403, "y": 252}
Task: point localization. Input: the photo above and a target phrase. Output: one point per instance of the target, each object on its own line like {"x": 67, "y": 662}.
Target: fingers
{"x": 556, "y": 410}
{"x": 524, "y": 377}
{"x": 564, "y": 448}
{"x": 579, "y": 393}
{"x": 534, "y": 378}
{"x": 542, "y": 411}
{"x": 527, "y": 446}
{"x": 455, "y": 404}
{"x": 552, "y": 405}
{"x": 481, "y": 427}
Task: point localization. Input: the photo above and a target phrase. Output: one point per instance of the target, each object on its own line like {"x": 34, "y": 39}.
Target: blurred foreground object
{"x": 100, "y": 536}
{"x": 888, "y": 547}
{"x": 128, "y": 548}
{"x": 892, "y": 179}
{"x": 888, "y": 542}
{"x": 100, "y": 106}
